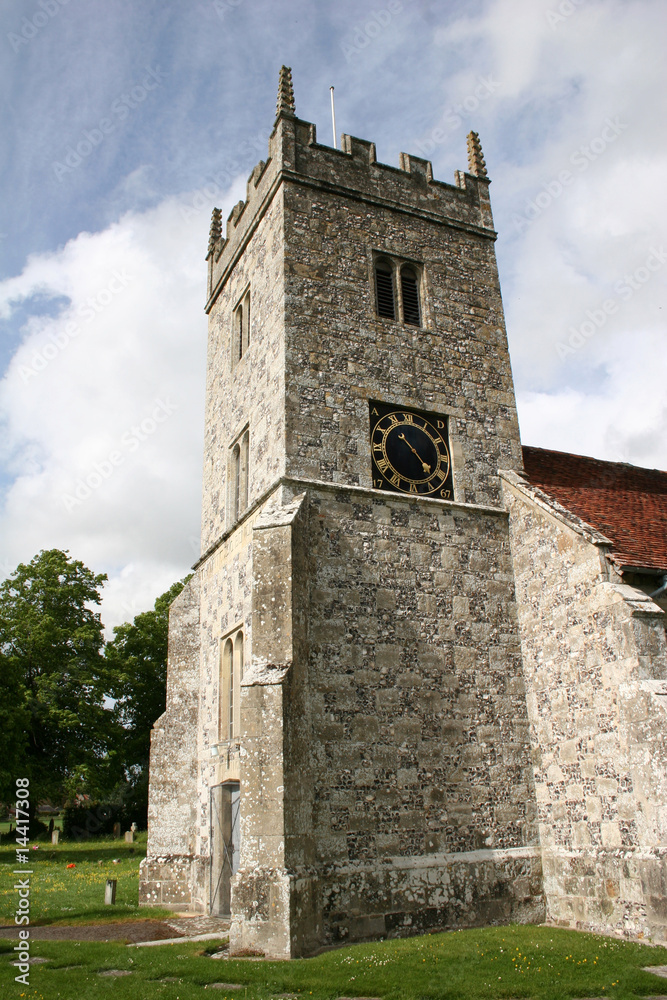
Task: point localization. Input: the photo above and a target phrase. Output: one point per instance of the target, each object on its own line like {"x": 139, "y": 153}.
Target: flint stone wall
{"x": 305, "y": 240}
{"x": 392, "y": 736}
{"x": 170, "y": 875}
{"x": 246, "y": 392}
{"x": 595, "y": 663}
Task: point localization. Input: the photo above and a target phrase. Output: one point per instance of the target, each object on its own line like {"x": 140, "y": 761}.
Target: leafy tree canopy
{"x": 136, "y": 659}
{"x": 71, "y": 719}
{"x": 52, "y": 678}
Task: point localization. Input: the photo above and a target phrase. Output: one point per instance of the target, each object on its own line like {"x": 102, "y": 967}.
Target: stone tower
{"x": 345, "y": 749}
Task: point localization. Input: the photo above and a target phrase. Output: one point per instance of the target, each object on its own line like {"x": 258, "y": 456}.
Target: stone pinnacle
{"x": 476, "y": 164}
{"x": 285, "y": 103}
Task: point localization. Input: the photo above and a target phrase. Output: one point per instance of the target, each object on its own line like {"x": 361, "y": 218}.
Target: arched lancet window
{"x": 243, "y": 472}
{"x": 229, "y": 698}
{"x": 241, "y": 329}
{"x": 231, "y": 706}
{"x": 226, "y": 693}
{"x": 238, "y": 474}
{"x": 235, "y": 484}
{"x": 410, "y": 296}
{"x": 239, "y": 333}
{"x": 246, "y": 321}
{"x": 384, "y": 289}
{"x": 235, "y": 711}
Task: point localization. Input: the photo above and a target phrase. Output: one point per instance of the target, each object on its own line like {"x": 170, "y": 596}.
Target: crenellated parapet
{"x": 353, "y": 171}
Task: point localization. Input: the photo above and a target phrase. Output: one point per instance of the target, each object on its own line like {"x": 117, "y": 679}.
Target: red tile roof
{"x": 624, "y": 502}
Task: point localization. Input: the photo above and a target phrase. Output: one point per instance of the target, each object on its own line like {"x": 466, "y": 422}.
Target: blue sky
{"x": 124, "y": 123}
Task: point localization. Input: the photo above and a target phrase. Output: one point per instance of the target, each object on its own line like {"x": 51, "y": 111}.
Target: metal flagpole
{"x": 333, "y": 117}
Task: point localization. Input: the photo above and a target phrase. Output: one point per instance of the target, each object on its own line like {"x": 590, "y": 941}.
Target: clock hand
{"x": 425, "y": 465}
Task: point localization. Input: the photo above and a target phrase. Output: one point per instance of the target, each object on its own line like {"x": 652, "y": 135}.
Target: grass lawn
{"x": 499, "y": 962}
{"x": 59, "y": 894}
{"x": 515, "y": 962}
{"x": 57, "y": 822}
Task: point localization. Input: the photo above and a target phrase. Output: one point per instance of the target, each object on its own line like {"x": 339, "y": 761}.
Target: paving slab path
{"x": 182, "y": 928}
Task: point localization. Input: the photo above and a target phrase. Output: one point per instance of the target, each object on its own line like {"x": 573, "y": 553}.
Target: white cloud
{"x": 589, "y": 105}
{"x": 551, "y": 87}
{"x": 622, "y": 417}
{"x": 103, "y": 403}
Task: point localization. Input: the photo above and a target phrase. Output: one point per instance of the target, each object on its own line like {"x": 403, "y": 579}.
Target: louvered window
{"x": 410, "y": 296}
{"x": 384, "y": 290}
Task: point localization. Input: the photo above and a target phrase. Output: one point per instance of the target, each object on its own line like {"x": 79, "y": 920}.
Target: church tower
{"x": 345, "y": 750}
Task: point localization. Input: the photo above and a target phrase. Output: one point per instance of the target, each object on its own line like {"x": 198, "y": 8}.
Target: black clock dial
{"x": 409, "y": 452}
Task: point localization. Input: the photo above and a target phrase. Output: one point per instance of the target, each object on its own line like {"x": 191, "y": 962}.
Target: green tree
{"x": 53, "y": 680}
{"x": 136, "y": 660}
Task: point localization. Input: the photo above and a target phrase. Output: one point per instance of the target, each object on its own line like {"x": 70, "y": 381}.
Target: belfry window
{"x": 410, "y": 296}
{"x": 384, "y": 289}
{"x": 398, "y": 290}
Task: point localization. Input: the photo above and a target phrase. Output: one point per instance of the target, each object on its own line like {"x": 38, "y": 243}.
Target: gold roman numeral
{"x": 383, "y": 464}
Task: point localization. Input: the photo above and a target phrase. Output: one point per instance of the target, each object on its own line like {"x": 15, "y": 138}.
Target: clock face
{"x": 409, "y": 452}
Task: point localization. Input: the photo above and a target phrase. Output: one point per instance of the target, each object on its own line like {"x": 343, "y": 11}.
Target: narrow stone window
{"x": 229, "y": 700}
{"x": 243, "y": 473}
{"x": 241, "y": 329}
{"x": 246, "y": 321}
{"x": 410, "y": 296}
{"x": 235, "y": 484}
{"x": 235, "y": 711}
{"x": 384, "y": 289}
{"x": 239, "y": 463}
{"x": 225, "y": 688}
{"x": 239, "y": 332}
